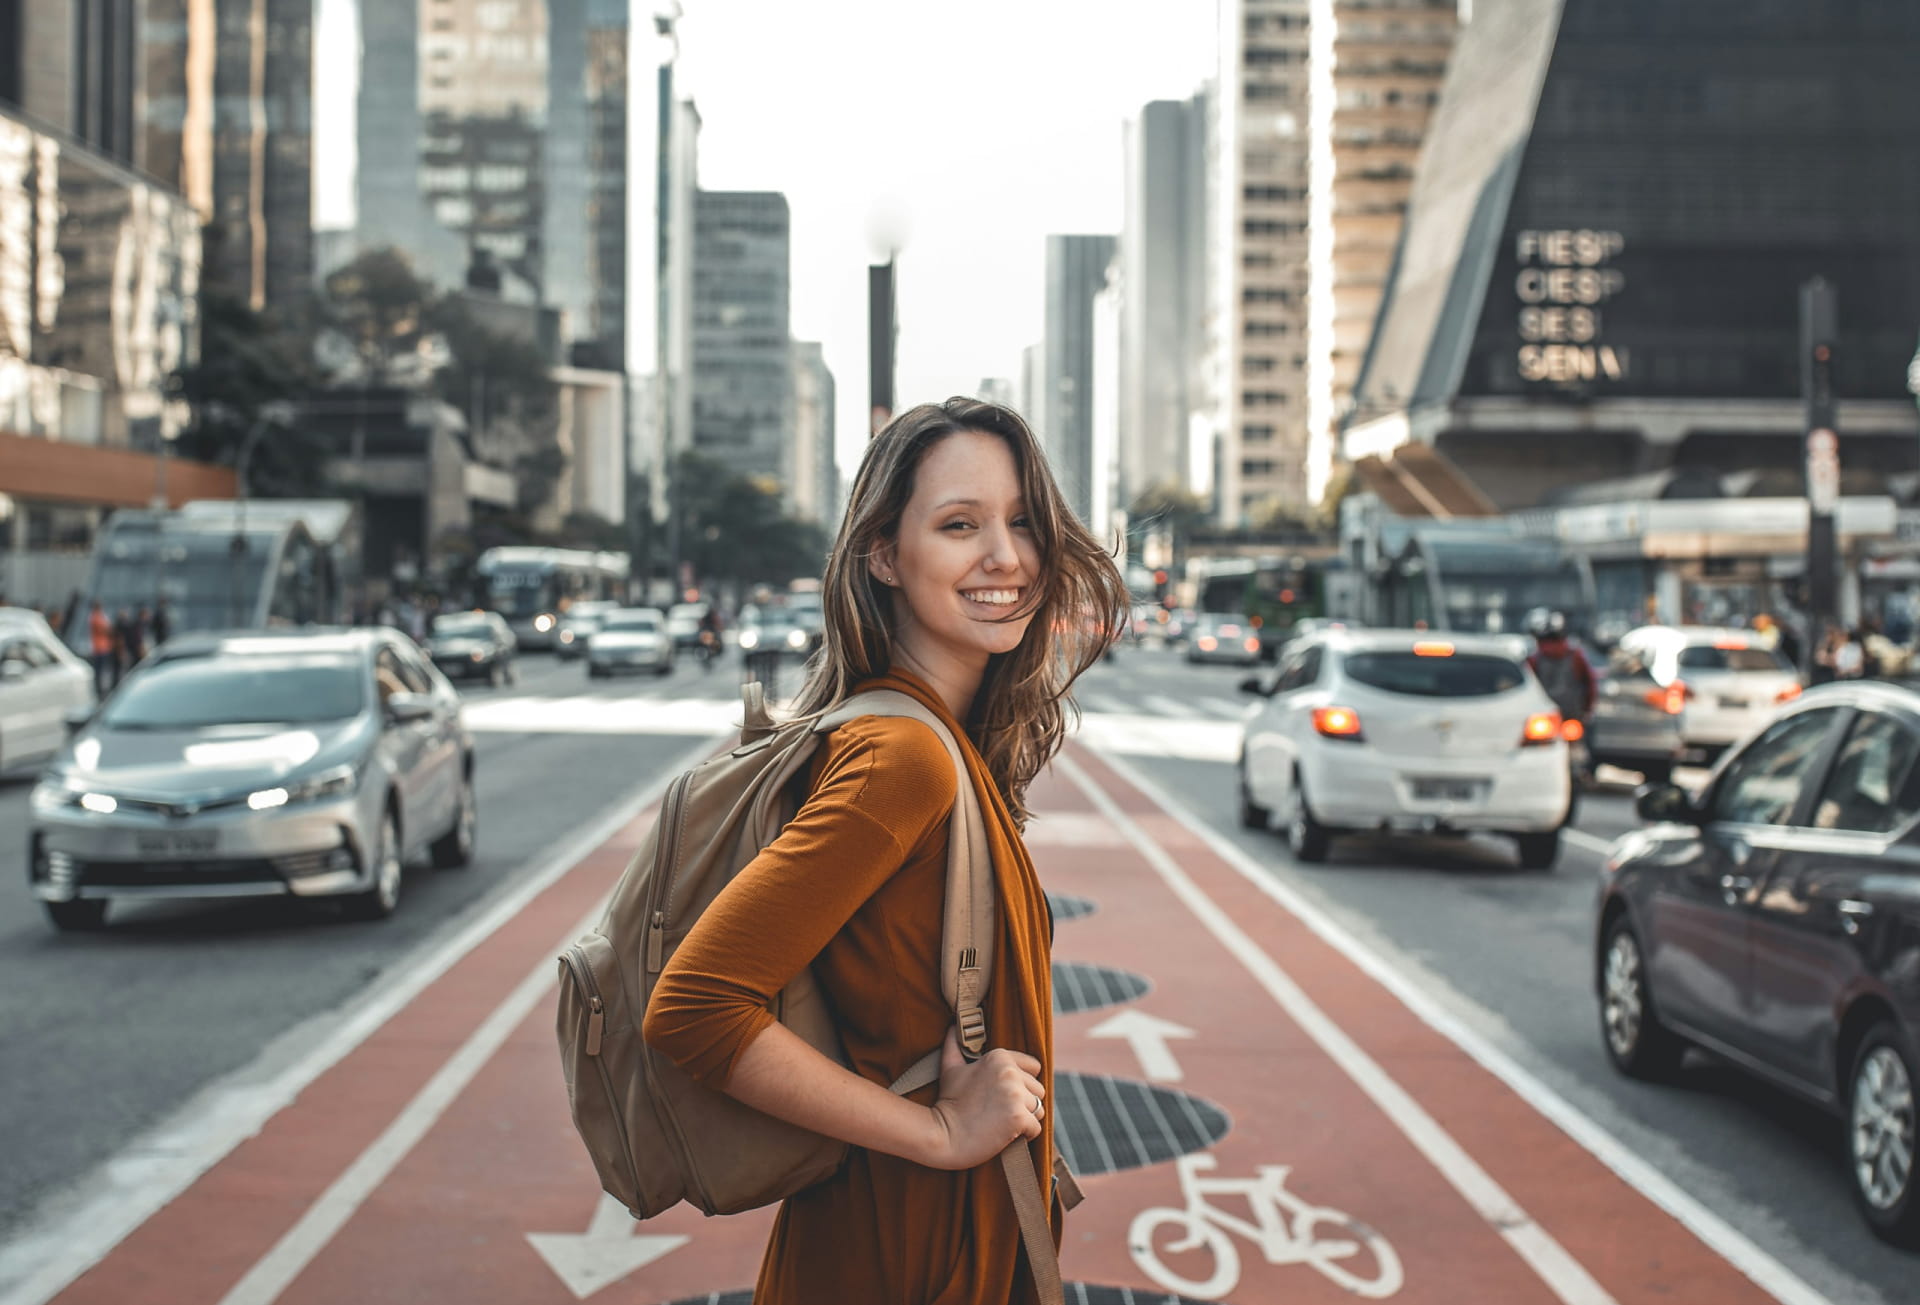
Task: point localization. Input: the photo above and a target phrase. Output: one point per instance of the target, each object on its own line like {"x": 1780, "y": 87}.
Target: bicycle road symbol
{"x": 1286, "y": 1229}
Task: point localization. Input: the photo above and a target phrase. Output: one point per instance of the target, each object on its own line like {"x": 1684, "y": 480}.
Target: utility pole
{"x": 880, "y": 333}
{"x": 1819, "y": 324}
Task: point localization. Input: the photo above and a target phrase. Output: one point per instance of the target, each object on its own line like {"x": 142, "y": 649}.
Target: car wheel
{"x": 1538, "y": 851}
{"x": 1307, "y": 838}
{"x": 1637, "y": 1043}
{"x": 1881, "y": 1134}
{"x": 1252, "y": 815}
{"x": 88, "y": 915}
{"x": 664, "y": 668}
{"x": 379, "y": 901}
{"x": 454, "y": 849}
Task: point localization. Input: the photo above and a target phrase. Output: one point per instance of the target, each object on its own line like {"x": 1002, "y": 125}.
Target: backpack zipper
{"x": 673, "y": 809}
{"x": 576, "y": 961}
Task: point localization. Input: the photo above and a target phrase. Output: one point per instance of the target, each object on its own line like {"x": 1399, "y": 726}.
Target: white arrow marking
{"x": 1148, "y": 1036}
{"x": 607, "y": 1253}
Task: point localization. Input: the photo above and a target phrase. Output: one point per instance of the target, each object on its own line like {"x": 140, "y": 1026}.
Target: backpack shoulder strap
{"x": 966, "y": 937}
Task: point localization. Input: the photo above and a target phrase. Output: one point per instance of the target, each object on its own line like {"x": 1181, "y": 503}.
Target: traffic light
{"x": 1159, "y": 584}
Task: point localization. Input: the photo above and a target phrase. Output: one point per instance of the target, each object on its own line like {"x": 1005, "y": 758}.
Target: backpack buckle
{"x": 972, "y": 1024}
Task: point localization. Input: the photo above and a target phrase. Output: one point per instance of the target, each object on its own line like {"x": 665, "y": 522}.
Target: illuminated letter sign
{"x": 1564, "y": 280}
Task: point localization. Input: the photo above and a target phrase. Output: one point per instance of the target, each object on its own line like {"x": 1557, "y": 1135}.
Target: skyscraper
{"x": 814, "y": 480}
{"x": 227, "y": 119}
{"x": 1076, "y": 273}
{"x": 742, "y": 366}
{"x": 73, "y": 65}
{"x": 1376, "y": 70}
{"x": 1260, "y": 219}
{"x": 1163, "y": 292}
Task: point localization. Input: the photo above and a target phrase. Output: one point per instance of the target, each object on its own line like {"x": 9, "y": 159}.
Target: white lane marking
{"x": 1104, "y": 703}
{"x": 1147, "y": 1035}
{"x": 1766, "y": 1272}
{"x": 590, "y": 715}
{"x": 1563, "y": 1274}
{"x": 1226, "y": 708}
{"x": 127, "y": 1190}
{"x": 607, "y": 1252}
{"x": 1581, "y": 838}
{"x": 1167, "y": 707}
{"x": 1157, "y": 736}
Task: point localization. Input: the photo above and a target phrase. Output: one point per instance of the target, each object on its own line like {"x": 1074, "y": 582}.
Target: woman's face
{"x": 964, "y": 558}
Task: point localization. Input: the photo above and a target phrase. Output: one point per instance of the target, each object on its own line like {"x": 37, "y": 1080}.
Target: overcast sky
{"x": 983, "y": 126}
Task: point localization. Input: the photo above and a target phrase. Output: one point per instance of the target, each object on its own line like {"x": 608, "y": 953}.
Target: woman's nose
{"x": 1001, "y": 553}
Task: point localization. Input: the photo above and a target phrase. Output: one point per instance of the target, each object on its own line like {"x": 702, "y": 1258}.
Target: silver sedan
{"x": 310, "y": 763}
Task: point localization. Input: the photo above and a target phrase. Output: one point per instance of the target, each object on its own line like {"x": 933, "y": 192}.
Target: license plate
{"x": 1446, "y": 790}
{"x": 1736, "y": 703}
{"x": 178, "y": 843}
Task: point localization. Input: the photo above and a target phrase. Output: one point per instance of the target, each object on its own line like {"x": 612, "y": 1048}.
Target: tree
{"x": 733, "y": 529}
{"x": 378, "y": 308}
{"x": 246, "y": 364}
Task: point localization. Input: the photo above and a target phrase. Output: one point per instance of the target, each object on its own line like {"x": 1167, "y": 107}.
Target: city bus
{"x": 531, "y": 587}
{"x": 1478, "y": 578}
{"x": 220, "y": 564}
{"x": 1277, "y": 592}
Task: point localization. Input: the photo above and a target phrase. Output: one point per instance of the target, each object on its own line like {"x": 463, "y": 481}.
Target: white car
{"x": 579, "y": 621}
{"x": 1365, "y": 730}
{"x": 42, "y": 683}
{"x": 630, "y": 639}
{"x": 1685, "y": 694}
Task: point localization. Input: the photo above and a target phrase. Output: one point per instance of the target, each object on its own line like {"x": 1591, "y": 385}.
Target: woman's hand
{"x": 984, "y": 1105}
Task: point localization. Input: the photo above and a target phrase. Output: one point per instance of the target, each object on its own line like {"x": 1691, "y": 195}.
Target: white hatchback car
{"x": 1368, "y": 730}
{"x": 41, "y": 685}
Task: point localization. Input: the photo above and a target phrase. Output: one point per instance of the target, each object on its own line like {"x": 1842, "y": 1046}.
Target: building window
{"x": 1258, "y": 466}
{"x": 1258, "y": 366}
{"x": 1262, "y": 399}
{"x": 499, "y": 177}
{"x": 1265, "y": 295}
{"x": 1262, "y": 330}
{"x": 1258, "y": 433}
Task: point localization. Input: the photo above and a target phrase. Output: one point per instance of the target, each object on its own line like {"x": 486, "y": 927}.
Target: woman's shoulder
{"x": 906, "y": 763}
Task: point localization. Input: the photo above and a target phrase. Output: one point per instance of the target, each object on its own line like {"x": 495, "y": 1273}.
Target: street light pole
{"x": 1819, "y": 324}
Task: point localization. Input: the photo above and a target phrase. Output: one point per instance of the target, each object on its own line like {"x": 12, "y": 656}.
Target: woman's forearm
{"x": 780, "y": 1074}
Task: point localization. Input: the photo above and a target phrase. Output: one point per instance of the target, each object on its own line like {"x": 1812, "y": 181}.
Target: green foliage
{"x": 379, "y": 306}
{"x": 732, "y": 528}
{"x": 245, "y": 365}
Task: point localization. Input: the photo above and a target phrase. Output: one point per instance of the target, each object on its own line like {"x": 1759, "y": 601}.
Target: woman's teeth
{"x": 996, "y": 597}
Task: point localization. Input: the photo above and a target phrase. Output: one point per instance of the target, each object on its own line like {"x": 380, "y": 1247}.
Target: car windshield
{"x": 1709, "y": 657}
{"x": 1470, "y": 675}
{"x": 460, "y": 623}
{"x": 191, "y": 692}
{"x": 687, "y": 611}
{"x": 631, "y": 621}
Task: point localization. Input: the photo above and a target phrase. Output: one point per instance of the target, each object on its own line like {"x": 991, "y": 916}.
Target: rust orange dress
{"x": 854, "y": 886}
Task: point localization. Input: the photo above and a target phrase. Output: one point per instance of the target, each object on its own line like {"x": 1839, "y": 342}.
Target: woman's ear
{"x": 880, "y": 566}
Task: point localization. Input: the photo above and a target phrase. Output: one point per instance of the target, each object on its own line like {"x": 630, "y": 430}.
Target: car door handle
{"x": 1734, "y": 887}
{"x": 1852, "y": 912}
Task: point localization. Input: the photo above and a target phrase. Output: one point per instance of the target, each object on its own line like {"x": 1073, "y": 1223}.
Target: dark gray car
{"x": 306, "y": 763}
{"x": 1774, "y": 920}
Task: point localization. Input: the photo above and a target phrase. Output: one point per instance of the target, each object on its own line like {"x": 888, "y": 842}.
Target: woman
{"x": 959, "y": 577}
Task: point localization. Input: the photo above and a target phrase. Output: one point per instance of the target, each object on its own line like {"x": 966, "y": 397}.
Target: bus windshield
{"x": 519, "y": 592}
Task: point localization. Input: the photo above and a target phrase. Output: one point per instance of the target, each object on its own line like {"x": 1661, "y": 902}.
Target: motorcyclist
{"x": 1562, "y": 669}
{"x": 709, "y": 636}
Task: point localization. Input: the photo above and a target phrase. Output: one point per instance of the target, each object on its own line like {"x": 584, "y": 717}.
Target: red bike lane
{"x": 1256, "y": 1119}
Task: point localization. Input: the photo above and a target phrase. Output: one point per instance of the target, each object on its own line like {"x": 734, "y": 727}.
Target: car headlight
{"x": 543, "y": 623}
{"x": 749, "y": 639}
{"x": 566, "y": 636}
{"x": 796, "y": 639}
{"x": 52, "y": 795}
{"x": 478, "y": 655}
{"x": 332, "y": 783}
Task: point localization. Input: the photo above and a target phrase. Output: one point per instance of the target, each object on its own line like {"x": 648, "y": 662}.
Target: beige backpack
{"x": 657, "y": 1137}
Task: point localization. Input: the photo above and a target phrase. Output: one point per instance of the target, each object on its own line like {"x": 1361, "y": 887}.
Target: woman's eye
{"x": 958, "y": 525}
{"x": 1022, "y": 523}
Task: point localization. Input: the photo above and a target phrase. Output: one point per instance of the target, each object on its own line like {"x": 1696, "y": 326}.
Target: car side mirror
{"x": 12, "y": 671}
{"x": 1665, "y": 804}
{"x": 1253, "y": 684}
{"x": 77, "y": 718}
{"x": 406, "y": 708}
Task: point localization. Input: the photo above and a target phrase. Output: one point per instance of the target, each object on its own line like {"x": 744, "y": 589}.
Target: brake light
{"x": 1730, "y": 645}
{"x": 1337, "y": 722}
{"x": 1672, "y": 699}
{"x": 1541, "y": 727}
{"x": 1432, "y": 649}
{"x": 1253, "y": 645}
{"x": 1787, "y": 694}
{"x": 1208, "y": 643}
{"x": 1572, "y": 731}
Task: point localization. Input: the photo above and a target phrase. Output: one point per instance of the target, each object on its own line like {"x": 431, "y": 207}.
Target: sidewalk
{"x": 1255, "y": 1117}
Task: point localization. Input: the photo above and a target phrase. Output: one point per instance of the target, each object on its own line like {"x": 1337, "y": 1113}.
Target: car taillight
{"x": 1252, "y": 645}
{"x": 1572, "y": 731}
{"x": 1672, "y": 699}
{"x": 1787, "y": 694}
{"x": 1337, "y": 722}
{"x": 1541, "y": 727}
{"x": 1208, "y": 643}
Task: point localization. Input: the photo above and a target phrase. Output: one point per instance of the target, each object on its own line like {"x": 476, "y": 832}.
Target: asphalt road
{"x": 106, "y": 1035}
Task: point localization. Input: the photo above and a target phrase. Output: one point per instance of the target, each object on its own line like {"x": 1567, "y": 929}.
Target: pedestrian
{"x": 162, "y": 623}
{"x": 126, "y": 643}
{"x": 100, "y": 639}
{"x": 961, "y": 578}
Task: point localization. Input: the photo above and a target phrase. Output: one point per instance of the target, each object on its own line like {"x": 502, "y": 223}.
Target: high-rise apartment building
{"x": 814, "y": 482}
{"x": 1376, "y": 67}
{"x": 1260, "y": 190}
{"x": 1163, "y": 293}
{"x": 227, "y": 119}
{"x": 1076, "y": 273}
{"x": 742, "y": 358}
{"x": 74, "y": 65}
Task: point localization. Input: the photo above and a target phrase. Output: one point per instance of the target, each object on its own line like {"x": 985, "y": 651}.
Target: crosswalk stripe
{"x": 1102, "y": 703}
{"x": 1167, "y": 706}
{"x": 1224, "y": 708}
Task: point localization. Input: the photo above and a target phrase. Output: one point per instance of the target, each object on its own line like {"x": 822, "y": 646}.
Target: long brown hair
{"x": 1078, "y": 606}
